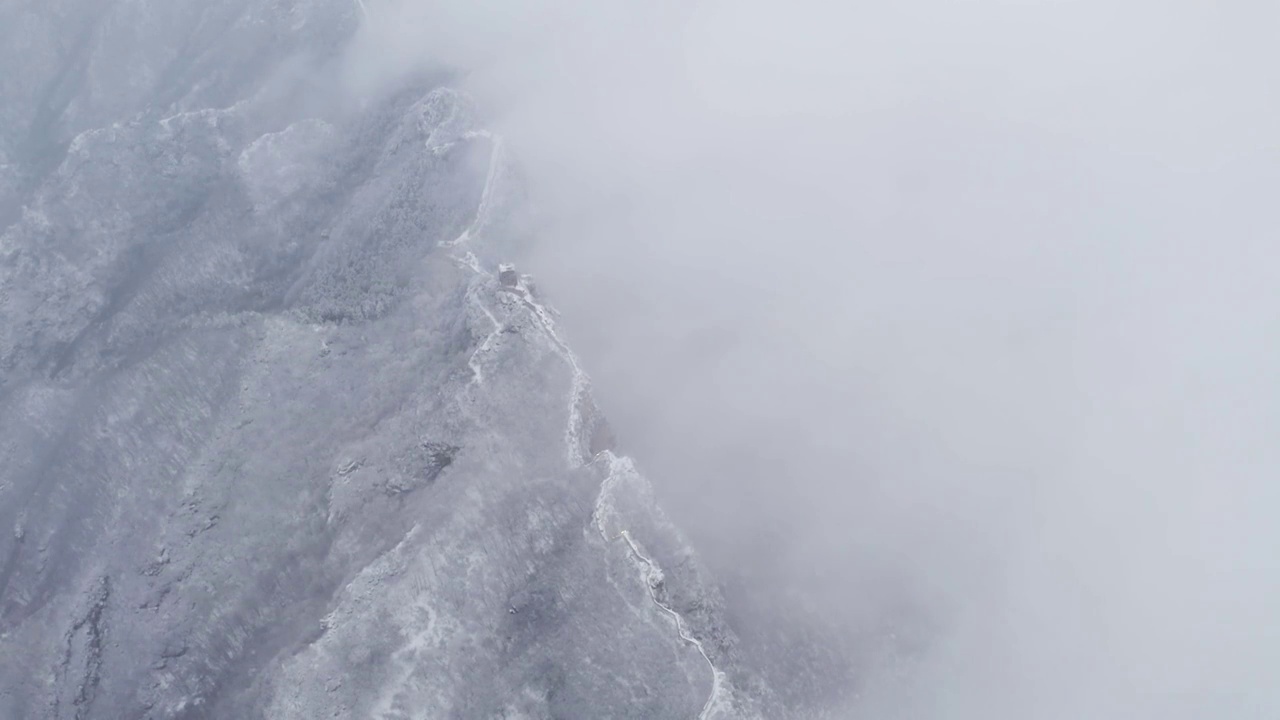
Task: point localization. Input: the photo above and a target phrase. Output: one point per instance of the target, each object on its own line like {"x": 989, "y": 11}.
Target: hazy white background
{"x": 964, "y": 306}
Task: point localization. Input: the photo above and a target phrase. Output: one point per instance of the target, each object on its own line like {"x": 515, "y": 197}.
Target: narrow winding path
{"x": 576, "y": 443}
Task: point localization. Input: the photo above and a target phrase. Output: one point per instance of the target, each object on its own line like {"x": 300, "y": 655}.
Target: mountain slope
{"x": 282, "y": 438}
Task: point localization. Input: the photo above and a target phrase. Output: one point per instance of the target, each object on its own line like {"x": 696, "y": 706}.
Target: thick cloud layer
{"x": 967, "y": 308}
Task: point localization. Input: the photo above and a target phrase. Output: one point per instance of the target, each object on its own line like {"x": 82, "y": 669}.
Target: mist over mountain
{"x": 604, "y": 359}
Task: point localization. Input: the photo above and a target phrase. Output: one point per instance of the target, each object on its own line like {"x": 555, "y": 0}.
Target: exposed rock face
{"x": 277, "y": 438}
